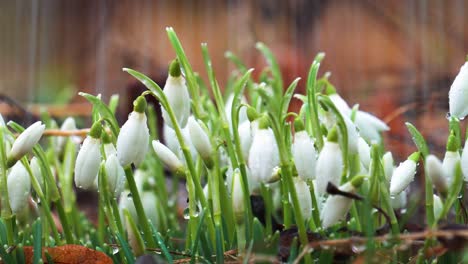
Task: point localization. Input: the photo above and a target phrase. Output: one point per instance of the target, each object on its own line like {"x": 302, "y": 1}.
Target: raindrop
{"x": 186, "y": 213}
{"x": 115, "y": 250}
{"x": 358, "y": 248}
{"x": 448, "y": 115}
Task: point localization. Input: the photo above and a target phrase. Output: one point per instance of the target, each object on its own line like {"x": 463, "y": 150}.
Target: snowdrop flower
{"x": 89, "y": 159}
{"x": 329, "y": 163}
{"x": 458, "y": 94}
{"x": 370, "y": 126}
{"x": 133, "y": 139}
{"x": 237, "y": 196}
{"x": 337, "y": 206}
{"x": 364, "y": 153}
{"x": 19, "y": 186}
{"x": 177, "y": 96}
{"x": 340, "y": 104}
{"x": 245, "y": 136}
{"x": 438, "y": 206}
{"x": 435, "y": 171}
{"x": 67, "y": 125}
{"x": 263, "y": 155}
{"x": 228, "y": 109}
{"x": 303, "y": 152}
{"x": 303, "y": 196}
{"x": 25, "y": 142}
{"x": 168, "y": 158}
{"x": 353, "y": 135}
{"x": 404, "y": 174}
{"x": 200, "y": 141}
{"x": 36, "y": 171}
{"x": 115, "y": 175}
{"x": 451, "y": 158}
{"x": 464, "y": 161}
{"x": 399, "y": 201}
{"x": 387, "y": 160}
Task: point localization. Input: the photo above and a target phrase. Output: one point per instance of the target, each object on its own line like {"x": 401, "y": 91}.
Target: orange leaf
{"x": 69, "y": 254}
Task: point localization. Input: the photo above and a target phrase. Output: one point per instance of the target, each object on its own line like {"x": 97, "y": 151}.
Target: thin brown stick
{"x": 66, "y": 133}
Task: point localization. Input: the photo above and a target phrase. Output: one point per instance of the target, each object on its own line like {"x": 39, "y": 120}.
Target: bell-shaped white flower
{"x": 245, "y": 136}
{"x": 458, "y": 94}
{"x": 451, "y": 158}
{"x": 133, "y": 139}
{"x": 36, "y": 171}
{"x": 168, "y": 158}
{"x": 200, "y": 140}
{"x": 237, "y": 196}
{"x": 404, "y": 174}
{"x": 387, "y": 160}
{"x": 364, "y": 153}
{"x": 228, "y": 109}
{"x": 177, "y": 96}
{"x": 399, "y": 201}
{"x": 370, "y": 126}
{"x": 438, "y": 206}
{"x": 464, "y": 161}
{"x": 329, "y": 166}
{"x": 89, "y": 159}
{"x": 19, "y": 187}
{"x": 303, "y": 152}
{"x": 115, "y": 175}
{"x": 435, "y": 171}
{"x": 340, "y": 104}
{"x": 263, "y": 155}
{"x": 303, "y": 196}
{"x": 353, "y": 135}
{"x": 337, "y": 206}
{"x": 25, "y": 142}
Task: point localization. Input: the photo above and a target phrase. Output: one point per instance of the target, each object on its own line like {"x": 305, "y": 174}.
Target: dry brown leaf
{"x": 69, "y": 254}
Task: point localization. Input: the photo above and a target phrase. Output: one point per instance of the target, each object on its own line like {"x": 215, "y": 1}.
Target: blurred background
{"x": 397, "y": 59}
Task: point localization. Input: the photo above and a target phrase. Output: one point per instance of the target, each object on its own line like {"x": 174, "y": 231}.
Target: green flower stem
{"x": 5, "y": 200}
{"x": 429, "y": 200}
{"x": 143, "y": 220}
{"x": 63, "y": 219}
{"x": 105, "y": 200}
{"x": 315, "y": 219}
{"x": 355, "y": 215}
{"x": 266, "y": 194}
{"x": 241, "y": 239}
{"x": 389, "y": 209}
{"x": 314, "y": 121}
{"x": 115, "y": 211}
{"x": 44, "y": 204}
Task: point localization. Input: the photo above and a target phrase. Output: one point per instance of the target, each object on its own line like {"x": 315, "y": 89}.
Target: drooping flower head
{"x": 200, "y": 141}
{"x": 133, "y": 139}
{"x": 168, "y": 158}
{"x": 303, "y": 152}
{"x": 89, "y": 159}
{"x": 403, "y": 175}
{"x": 451, "y": 158}
{"x": 19, "y": 186}
{"x": 435, "y": 171}
{"x": 329, "y": 163}
{"x": 25, "y": 142}
{"x": 458, "y": 94}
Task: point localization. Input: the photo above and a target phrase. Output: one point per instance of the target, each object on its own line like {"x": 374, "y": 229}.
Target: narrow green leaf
{"x": 130, "y": 258}
{"x": 105, "y": 112}
{"x": 198, "y": 235}
{"x": 288, "y": 95}
{"x": 275, "y": 69}
{"x": 418, "y": 139}
{"x": 37, "y": 236}
{"x": 157, "y": 237}
{"x": 113, "y": 103}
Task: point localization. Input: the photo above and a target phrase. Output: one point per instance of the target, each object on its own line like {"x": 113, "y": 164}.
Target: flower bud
{"x": 458, "y": 94}
{"x": 36, "y": 171}
{"x": 245, "y": 136}
{"x": 404, "y": 174}
{"x": 89, "y": 159}
{"x": 177, "y": 96}
{"x": 200, "y": 141}
{"x": 399, "y": 201}
{"x": 133, "y": 139}
{"x": 263, "y": 156}
{"x": 370, "y": 126}
{"x": 329, "y": 163}
{"x": 25, "y": 142}
{"x": 19, "y": 187}
{"x": 304, "y": 154}
{"x": 438, "y": 206}
{"x": 237, "y": 196}
{"x": 303, "y": 196}
{"x": 451, "y": 158}
{"x": 168, "y": 158}
{"x": 387, "y": 160}
{"x": 115, "y": 175}
{"x": 435, "y": 171}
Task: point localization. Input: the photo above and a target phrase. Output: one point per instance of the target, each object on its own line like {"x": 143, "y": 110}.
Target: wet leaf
{"x": 69, "y": 254}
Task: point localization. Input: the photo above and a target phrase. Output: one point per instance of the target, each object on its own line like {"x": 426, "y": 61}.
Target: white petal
{"x": 133, "y": 140}
{"x": 340, "y": 104}
{"x": 26, "y": 140}
{"x": 303, "y": 196}
{"x": 388, "y": 165}
{"x": 245, "y": 137}
{"x": 169, "y": 159}
{"x": 115, "y": 175}
{"x": 179, "y": 99}
{"x": 87, "y": 163}
{"x": 364, "y": 152}
{"x": 304, "y": 154}
{"x": 448, "y": 165}
{"x": 402, "y": 176}
{"x": 336, "y": 207}
{"x": 329, "y": 167}
{"x": 464, "y": 161}
{"x": 435, "y": 171}
{"x": 263, "y": 156}
{"x": 19, "y": 186}
{"x": 200, "y": 139}
{"x": 458, "y": 94}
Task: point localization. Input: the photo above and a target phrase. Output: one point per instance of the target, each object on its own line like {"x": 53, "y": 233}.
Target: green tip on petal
{"x": 298, "y": 125}
{"x": 333, "y": 135}
{"x": 452, "y": 143}
{"x": 252, "y": 114}
{"x": 415, "y": 156}
{"x": 357, "y": 181}
{"x": 96, "y": 130}
{"x": 263, "y": 122}
{"x": 139, "y": 105}
{"x": 106, "y": 139}
{"x": 174, "y": 68}
{"x": 330, "y": 89}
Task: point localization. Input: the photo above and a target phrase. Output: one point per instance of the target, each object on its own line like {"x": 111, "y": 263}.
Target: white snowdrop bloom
{"x": 133, "y": 139}
{"x": 168, "y": 158}
{"x": 150, "y": 204}
{"x": 304, "y": 154}
{"x": 126, "y": 202}
{"x": 170, "y": 139}
{"x": 353, "y": 135}
{"x": 245, "y": 137}
{"x": 25, "y": 142}
{"x": 89, "y": 159}
{"x": 237, "y": 195}
{"x": 177, "y": 95}
{"x": 329, "y": 163}
{"x": 67, "y": 125}
{"x": 228, "y": 109}
{"x": 458, "y": 94}
{"x": 451, "y": 158}
{"x": 438, "y": 206}
{"x": 303, "y": 196}
{"x": 19, "y": 187}
{"x": 404, "y": 174}
{"x": 364, "y": 152}
{"x": 340, "y": 104}
{"x": 387, "y": 160}
{"x": 336, "y": 207}
{"x": 36, "y": 171}
{"x": 399, "y": 201}
{"x": 115, "y": 175}
{"x": 263, "y": 155}
{"x": 200, "y": 140}
{"x": 370, "y": 126}
{"x": 435, "y": 171}
{"x": 464, "y": 161}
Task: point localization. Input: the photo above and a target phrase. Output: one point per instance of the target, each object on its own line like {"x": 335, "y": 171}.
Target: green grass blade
{"x": 158, "y": 238}
{"x": 418, "y": 139}
{"x": 105, "y": 112}
{"x": 37, "y": 236}
{"x": 126, "y": 249}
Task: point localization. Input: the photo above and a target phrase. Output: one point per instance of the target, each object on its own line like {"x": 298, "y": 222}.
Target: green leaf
{"x": 418, "y": 139}
{"x": 37, "y": 236}
{"x": 130, "y": 258}
{"x": 288, "y": 95}
{"x": 105, "y": 112}
{"x": 157, "y": 237}
{"x": 198, "y": 235}
{"x": 275, "y": 69}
